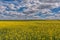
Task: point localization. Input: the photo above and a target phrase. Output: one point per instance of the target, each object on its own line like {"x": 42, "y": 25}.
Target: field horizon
{"x": 30, "y": 30}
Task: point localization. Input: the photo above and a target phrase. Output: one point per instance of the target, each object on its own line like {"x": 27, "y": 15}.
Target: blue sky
{"x": 29, "y": 9}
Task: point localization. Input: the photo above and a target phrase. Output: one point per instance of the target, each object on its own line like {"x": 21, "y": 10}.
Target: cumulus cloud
{"x": 29, "y": 9}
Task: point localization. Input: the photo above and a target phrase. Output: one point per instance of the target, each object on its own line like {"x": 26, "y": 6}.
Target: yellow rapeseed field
{"x": 30, "y": 30}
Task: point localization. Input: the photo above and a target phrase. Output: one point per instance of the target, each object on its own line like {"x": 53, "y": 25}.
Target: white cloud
{"x": 30, "y": 12}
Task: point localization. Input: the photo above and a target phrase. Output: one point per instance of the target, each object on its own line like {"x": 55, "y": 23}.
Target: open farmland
{"x": 30, "y": 30}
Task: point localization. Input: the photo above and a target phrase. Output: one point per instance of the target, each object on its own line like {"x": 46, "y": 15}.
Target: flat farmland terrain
{"x": 30, "y": 30}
